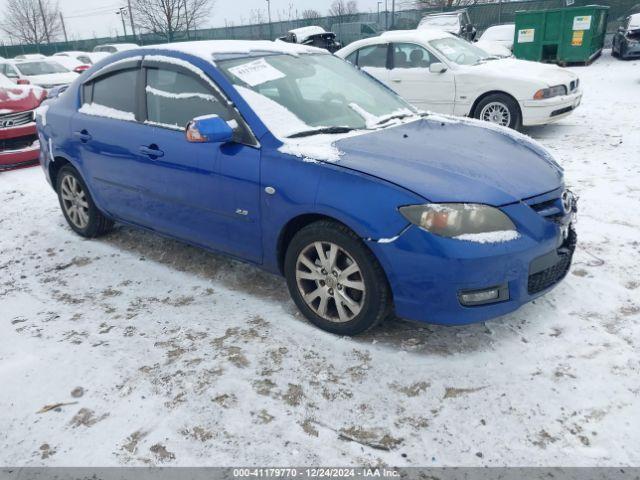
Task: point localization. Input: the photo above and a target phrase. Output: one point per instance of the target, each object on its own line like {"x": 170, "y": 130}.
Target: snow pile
{"x": 180, "y": 96}
{"x": 490, "y": 237}
{"x": 98, "y": 110}
{"x": 210, "y": 48}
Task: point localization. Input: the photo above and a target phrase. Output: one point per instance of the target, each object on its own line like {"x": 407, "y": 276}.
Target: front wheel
{"x": 499, "y": 109}
{"x": 78, "y": 207}
{"x": 335, "y": 280}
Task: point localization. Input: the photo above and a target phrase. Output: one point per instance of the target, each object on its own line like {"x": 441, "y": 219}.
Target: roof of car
{"x": 635, "y": 20}
{"x": 416, "y": 35}
{"x": 207, "y": 49}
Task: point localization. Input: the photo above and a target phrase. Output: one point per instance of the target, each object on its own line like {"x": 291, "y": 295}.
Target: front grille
{"x": 9, "y": 120}
{"x": 550, "y": 209}
{"x": 17, "y": 143}
{"x": 548, "y": 277}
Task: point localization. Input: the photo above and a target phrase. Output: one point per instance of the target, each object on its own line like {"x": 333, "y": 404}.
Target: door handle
{"x": 151, "y": 151}
{"x": 396, "y": 80}
{"x": 83, "y": 136}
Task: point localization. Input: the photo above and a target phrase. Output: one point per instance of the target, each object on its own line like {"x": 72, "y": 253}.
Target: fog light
{"x": 485, "y": 296}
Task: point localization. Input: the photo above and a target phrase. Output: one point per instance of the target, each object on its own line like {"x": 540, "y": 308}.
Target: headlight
{"x": 454, "y": 219}
{"x": 550, "y": 92}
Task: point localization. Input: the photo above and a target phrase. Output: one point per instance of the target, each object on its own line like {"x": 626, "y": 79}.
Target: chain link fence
{"x": 347, "y": 28}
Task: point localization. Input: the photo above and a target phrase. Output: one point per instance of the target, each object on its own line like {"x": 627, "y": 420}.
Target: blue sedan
{"x": 289, "y": 158}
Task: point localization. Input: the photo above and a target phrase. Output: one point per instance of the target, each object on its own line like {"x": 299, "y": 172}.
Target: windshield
{"x": 40, "y": 68}
{"x": 293, "y": 94}
{"x": 445, "y": 22}
{"x": 459, "y": 51}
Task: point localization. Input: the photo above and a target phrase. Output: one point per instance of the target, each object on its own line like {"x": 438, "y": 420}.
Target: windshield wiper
{"x": 320, "y": 131}
{"x": 400, "y": 116}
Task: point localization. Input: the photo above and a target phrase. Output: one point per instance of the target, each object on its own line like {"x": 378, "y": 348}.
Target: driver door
{"x": 205, "y": 193}
{"x": 411, "y": 78}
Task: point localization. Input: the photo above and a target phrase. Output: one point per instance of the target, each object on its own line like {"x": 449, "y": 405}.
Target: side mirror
{"x": 621, "y": 30}
{"x": 469, "y": 28}
{"x": 437, "y": 68}
{"x": 208, "y": 129}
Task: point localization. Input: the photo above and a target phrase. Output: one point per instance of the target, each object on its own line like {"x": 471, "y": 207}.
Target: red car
{"x": 18, "y": 139}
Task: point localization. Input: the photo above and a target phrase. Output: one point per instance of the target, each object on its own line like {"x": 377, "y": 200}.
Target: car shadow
{"x": 394, "y": 333}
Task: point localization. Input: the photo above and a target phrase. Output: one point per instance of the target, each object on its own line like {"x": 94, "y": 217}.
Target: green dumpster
{"x": 563, "y": 35}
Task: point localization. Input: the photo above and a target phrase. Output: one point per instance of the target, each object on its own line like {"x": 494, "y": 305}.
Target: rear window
{"x": 374, "y": 56}
{"x": 117, "y": 91}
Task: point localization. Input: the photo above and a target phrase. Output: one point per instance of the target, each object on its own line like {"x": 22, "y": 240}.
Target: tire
{"x": 85, "y": 219}
{"x": 499, "y": 101}
{"x": 370, "y": 299}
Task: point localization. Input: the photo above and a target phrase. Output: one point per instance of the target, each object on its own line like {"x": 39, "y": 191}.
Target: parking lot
{"x": 160, "y": 354}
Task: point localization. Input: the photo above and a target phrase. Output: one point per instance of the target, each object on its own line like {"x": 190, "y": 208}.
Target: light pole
{"x": 379, "y": 3}
{"x": 122, "y": 11}
{"x": 269, "y": 14}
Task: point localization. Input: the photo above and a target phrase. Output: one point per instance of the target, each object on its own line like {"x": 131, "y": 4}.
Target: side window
{"x": 117, "y": 90}
{"x": 373, "y": 56}
{"x": 10, "y": 72}
{"x": 409, "y": 55}
{"x": 175, "y": 98}
{"x": 353, "y": 58}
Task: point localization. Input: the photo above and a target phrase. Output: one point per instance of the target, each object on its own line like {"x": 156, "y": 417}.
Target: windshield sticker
{"x": 526, "y": 35}
{"x": 256, "y": 72}
{"x": 582, "y": 22}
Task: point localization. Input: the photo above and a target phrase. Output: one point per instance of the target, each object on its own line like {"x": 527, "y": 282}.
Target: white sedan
{"x": 43, "y": 73}
{"x": 442, "y": 73}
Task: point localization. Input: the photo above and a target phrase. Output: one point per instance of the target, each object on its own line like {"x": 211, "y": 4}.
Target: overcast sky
{"x": 86, "y": 18}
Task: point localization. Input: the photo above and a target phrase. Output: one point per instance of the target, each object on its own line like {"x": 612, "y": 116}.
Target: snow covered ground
{"x": 163, "y": 354}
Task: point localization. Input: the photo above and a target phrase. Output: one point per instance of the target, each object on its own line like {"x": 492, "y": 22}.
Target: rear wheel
{"x": 335, "y": 280}
{"x": 500, "y": 109}
{"x": 78, "y": 207}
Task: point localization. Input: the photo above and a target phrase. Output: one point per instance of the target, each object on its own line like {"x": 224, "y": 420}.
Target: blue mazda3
{"x": 289, "y": 158}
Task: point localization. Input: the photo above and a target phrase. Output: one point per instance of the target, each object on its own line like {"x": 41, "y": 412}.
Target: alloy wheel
{"x": 330, "y": 282}
{"x": 496, "y": 112}
{"x": 74, "y": 201}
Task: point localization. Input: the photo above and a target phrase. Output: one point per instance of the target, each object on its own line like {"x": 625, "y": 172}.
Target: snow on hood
{"x": 451, "y": 160}
{"x": 523, "y": 70}
{"x": 494, "y": 48}
{"x": 19, "y": 98}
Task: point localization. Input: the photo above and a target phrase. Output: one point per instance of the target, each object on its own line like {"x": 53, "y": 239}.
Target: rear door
{"x": 410, "y": 78}
{"x": 374, "y": 59}
{"x": 105, "y": 133}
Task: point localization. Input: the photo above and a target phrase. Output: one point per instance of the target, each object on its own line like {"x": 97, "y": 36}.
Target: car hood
{"x": 446, "y": 160}
{"x": 53, "y": 78}
{"x": 20, "y": 98}
{"x": 549, "y": 75}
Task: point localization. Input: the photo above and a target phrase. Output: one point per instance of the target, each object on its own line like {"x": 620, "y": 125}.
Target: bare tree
{"x": 344, "y": 10}
{"x": 169, "y": 18}
{"x": 311, "y": 14}
{"x": 25, "y": 21}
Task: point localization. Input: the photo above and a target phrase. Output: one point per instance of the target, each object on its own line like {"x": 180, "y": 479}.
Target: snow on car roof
{"x": 206, "y": 49}
{"x": 303, "y": 33}
{"x": 634, "y": 21}
{"x": 499, "y": 32}
{"x": 419, "y": 35}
